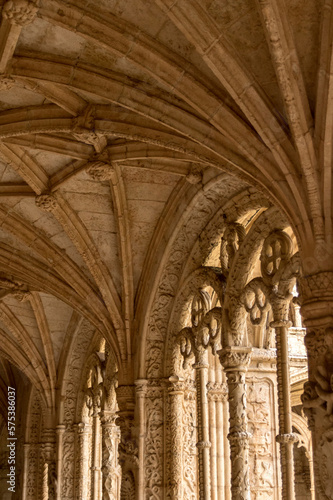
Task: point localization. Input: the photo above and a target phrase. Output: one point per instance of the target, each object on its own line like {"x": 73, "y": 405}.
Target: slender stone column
{"x": 84, "y": 434}
{"x": 48, "y": 457}
{"x": 141, "y": 389}
{"x": 217, "y": 396}
{"x": 60, "y": 434}
{"x": 235, "y": 361}
{"x": 175, "y": 424}
{"x": 286, "y": 438}
{"x": 203, "y": 445}
{"x": 213, "y": 435}
{"x": 108, "y": 454}
{"x": 96, "y": 453}
{"x": 223, "y": 411}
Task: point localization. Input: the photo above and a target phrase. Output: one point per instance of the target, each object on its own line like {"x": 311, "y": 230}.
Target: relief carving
{"x": 20, "y": 12}
{"x": 153, "y": 458}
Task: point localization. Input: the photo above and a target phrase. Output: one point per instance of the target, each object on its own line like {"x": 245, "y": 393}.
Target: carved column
{"x": 204, "y": 332}
{"x": 235, "y": 361}
{"x": 217, "y": 398}
{"x": 96, "y": 451}
{"x": 175, "y": 430}
{"x": 203, "y": 445}
{"x": 317, "y": 311}
{"x": 141, "y": 389}
{"x": 49, "y": 472}
{"x": 212, "y": 398}
{"x": 286, "y": 438}
{"x": 128, "y": 446}
{"x": 60, "y": 435}
{"x": 108, "y": 455}
{"x": 84, "y": 434}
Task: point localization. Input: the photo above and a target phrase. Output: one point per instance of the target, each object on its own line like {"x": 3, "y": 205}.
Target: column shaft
{"x": 286, "y": 438}
{"x": 203, "y": 444}
{"x": 235, "y": 361}
{"x": 175, "y": 422}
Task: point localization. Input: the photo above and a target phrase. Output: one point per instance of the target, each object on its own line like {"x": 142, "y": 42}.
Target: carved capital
{"x": 83, "y": 428}
{"x": 141, "y": 387}
{"x": 235, "y": 358}
{"x": 316, "y": 297}
{"x": 239, "y": 437}
{"x": 203, "y": 444}
{"x": 177, "y": 385}
{"x": 292, "y": 437}
{"x": 48, "y": 452}
{"x": 20, "y": 12}
{"x": 46, "y": 202}
{"x": 316, "y": 285}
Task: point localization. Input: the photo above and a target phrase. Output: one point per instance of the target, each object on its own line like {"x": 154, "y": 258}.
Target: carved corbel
{"x": 195, "y": 175}
{"x": 20, "y": 12}
{"x": 83, "y": 129}
{"x": 100, "y": 171}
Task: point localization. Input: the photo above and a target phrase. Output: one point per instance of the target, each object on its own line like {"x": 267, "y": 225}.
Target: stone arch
{"x": 199, "y": 279}
{"x": 153, "y": 331}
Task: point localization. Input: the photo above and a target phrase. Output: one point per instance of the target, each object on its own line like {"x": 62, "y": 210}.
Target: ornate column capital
{"x": 60, "y": 429}
{"x": 316, "y": 296}
{"x": 235, "y": 358}
{"x": 292, "y": 437}
{"x": 141, "y": 387}
{"x": 176, "y": 384}
{"x": 20, "y": 12}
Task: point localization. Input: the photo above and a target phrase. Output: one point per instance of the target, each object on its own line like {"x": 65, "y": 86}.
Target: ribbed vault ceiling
{"x": 112, "y": 112}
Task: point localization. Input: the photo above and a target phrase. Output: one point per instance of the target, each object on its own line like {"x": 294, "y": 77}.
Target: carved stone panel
{"x": 153, "y": 456}
{"x": 262, "y": 451}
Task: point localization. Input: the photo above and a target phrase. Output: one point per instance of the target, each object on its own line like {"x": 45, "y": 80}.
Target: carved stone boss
{"x": 204, "y": 332}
